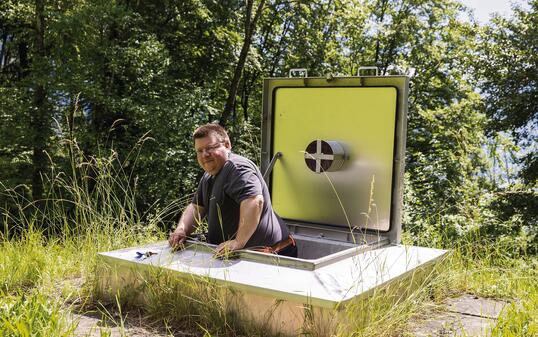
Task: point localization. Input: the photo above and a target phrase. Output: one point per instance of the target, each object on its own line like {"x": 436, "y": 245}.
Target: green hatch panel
{"x": 363, "y": 120}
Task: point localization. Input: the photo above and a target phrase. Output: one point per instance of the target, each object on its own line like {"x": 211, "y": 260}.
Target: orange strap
{"x": 277, "y": 247}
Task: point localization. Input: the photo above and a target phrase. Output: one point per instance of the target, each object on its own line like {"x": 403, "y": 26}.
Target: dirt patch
{"x": 98, "y": 320}
{"x": 132, "y": 324}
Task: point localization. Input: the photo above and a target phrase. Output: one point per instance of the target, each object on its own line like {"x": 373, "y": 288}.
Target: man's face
{"x": 211, "y": 153}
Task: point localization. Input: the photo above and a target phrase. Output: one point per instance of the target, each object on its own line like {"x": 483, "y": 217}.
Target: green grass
{"x": 34, "y": 314}
{"x": 520, "y": 318}
{"x": 48, "y": 270}
{"x": 490, "y": 270}
{"x": 37, "y": 295}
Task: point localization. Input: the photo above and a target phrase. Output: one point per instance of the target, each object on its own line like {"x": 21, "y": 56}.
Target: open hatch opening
{"x": 317, "y": 246}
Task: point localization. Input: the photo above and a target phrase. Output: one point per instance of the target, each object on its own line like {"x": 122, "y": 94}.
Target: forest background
{"x": 121, "y": 85}
{"x": 132, "y": 79}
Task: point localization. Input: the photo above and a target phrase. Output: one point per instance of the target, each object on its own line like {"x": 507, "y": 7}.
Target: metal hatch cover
{"x": 359, "y": 115}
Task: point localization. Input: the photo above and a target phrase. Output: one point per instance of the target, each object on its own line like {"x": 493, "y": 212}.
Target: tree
{"x": 130, "y": 68}
{"x": 444, "y": 158}
{"x": 508, "y": 79}
{"x": 24, "y": 79}
{"x": 251, "y": 21}
{"x": 508, "y": 74}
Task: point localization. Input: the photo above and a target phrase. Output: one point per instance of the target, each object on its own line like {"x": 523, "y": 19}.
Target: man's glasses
{"x": 208, "y": 149}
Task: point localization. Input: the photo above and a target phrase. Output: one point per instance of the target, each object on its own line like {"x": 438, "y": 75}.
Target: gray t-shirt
{"x": 221, "y": 196}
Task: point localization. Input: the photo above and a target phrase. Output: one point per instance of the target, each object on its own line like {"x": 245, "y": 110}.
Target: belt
{"x": 277, "y": 247}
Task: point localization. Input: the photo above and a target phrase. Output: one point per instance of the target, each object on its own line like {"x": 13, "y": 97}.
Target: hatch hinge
{"x": 298, "y": 72}
{"x": 362, "y": 69}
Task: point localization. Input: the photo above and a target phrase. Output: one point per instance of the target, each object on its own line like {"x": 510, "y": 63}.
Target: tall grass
{"x": 48, "y": 267}
{"x": 34, "y": 314}
{"x": 49, "y": 247}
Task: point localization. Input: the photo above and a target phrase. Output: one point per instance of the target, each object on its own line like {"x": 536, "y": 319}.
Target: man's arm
{"x": 187, "y": 224}
{"x": 250, "y": 211}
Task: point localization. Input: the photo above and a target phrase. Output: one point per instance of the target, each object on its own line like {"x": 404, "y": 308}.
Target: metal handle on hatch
{"x": 303, "y": 71}
{"x": 368, "y": 68}
{"x": 271, "y": 164}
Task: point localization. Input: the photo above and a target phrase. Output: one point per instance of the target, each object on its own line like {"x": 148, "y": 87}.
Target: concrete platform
{"x": 466, "y": 315}
{"x": 292, "y": 295}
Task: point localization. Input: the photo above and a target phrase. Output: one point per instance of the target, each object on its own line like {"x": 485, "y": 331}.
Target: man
{"x": 235, "y": 199}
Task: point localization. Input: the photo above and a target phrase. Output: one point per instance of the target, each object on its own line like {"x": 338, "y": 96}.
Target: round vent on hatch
{"x": 324, "y": 156}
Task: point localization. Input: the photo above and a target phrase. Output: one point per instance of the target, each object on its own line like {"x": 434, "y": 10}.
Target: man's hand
{"x": 225, "y": 248}
{"x": 177, "y": 238}
{"x": 190, "y": 217}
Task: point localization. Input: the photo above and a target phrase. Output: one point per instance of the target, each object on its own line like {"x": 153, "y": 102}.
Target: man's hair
{"x": 211, "y": 129}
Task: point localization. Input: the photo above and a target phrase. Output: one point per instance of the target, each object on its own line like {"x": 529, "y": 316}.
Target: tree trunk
{"x": 390, "y": 52}
{"x": 380, "y": 21}
{"x": 250, "y": 28}
{"x": 3, "y": 53}
{"x": 39, "y": 119}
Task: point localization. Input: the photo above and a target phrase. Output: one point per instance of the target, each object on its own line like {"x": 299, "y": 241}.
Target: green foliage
{"x": 445, "y": 161}
{"x": 116, "y": 73}
{"x": 39, "y": 263}
{"x": 23, "y": 262}
{"x": 508, "y": 66}
{"x": 122, "y": 85}
{"x": 33, "y": 314}
{"x": 508, "y": 78}
{"x": 505, "y": 70}
{"x": 519, "y": 319}
{"x": 514, "y": 219}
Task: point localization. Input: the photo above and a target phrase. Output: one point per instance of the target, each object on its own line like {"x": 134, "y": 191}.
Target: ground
{"x": 466, "y": 315}
{"x": 133, "y": 324}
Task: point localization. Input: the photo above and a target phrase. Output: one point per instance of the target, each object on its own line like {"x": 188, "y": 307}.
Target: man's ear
{"x": 227, "y": 144}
